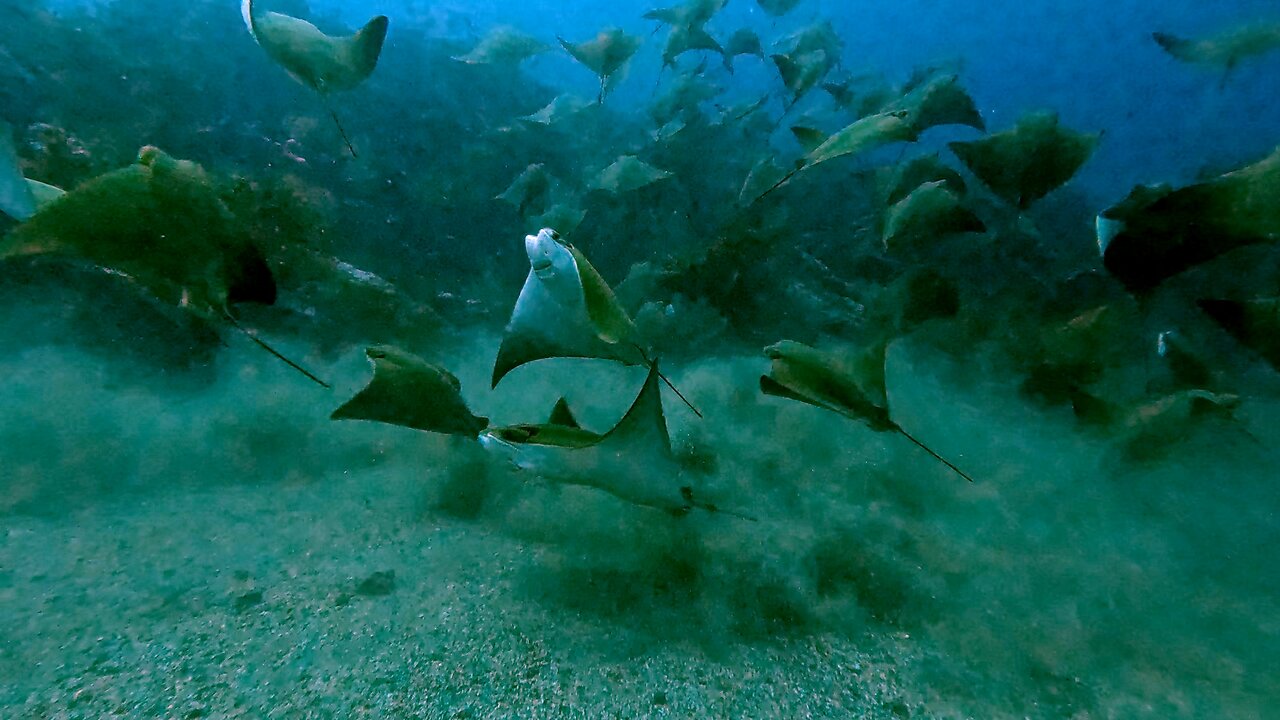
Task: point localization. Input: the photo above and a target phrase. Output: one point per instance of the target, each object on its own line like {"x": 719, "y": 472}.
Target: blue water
{"x": 185, "y": 533}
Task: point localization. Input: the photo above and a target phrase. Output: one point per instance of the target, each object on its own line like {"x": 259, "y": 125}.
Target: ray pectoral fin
{"x": 611, "y": 322}
{"x": 410, "y": 392}
{"x": 367, "y": 45}
{"x": 769, "y": 386}
{"x": 644, "y": 423}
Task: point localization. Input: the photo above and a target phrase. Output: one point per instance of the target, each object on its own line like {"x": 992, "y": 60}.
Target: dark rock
{"x": 248, "y": 600}
{"x": 378, "y": 584}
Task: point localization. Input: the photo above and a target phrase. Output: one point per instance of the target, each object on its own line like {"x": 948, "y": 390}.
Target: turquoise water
{"x": 184, "y": 531}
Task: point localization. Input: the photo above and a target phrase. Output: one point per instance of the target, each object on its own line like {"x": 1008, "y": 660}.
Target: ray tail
{"x": 935, "y": 455}
{"x": 278, "y": 355}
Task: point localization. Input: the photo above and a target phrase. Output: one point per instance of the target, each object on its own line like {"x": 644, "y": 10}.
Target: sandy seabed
{"x": 229, "y": 552}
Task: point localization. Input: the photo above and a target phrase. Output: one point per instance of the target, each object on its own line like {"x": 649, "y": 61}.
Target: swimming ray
{"x": 669, "y": 130}
{"x": 777, "y": 8}
{"x": 1255, "y": 324}
{"x": 694, "y": 13}
{"x": 558, "y": 109}
{"x": 529, "y": 190}
{"x": 504, "y": 45}
{"x": 565, "y": 214}
{"x": 20, "y": 197}
{"x": 632, "y": 461}
{"x": 765, "y": 176}
{"x": 1226, "y": 50}
{"x": 1158, "y": 232}
{"x": 812, "y": 38}
{"x": 809, "y": 138}
{"x": 801, "y": 73}
{"x": 323, "y": 63}
{"x": 940, "y": 101}
{"x": 683, "y": 39}
{"x": 564, "y": 310}
{"x": 44, "y": 194}
{"x": 161, "y": 224}
{"x": 863, "y": 135}
{"x": 912, "y": 174}
{"x": 1148, "y": 429}
{"x": 604, "y": 55}
{"x": 626, "y": 174}
{"x": 685, "y": 96}
{"x": 408, "y": 391}
{"x": 743, "y": 41}
{"x": 16, "y": 199}
{"x": 1186, "y": 368}
{"x": 1027, "y": 162}
{"x": 159, "y": 221}
{"x": 852, "y": 385}
{"x": 929, "y": 212}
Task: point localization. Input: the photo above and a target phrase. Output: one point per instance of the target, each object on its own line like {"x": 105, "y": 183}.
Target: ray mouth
{"x": 541, "y": 267}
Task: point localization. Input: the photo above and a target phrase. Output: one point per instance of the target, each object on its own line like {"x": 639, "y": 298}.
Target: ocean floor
{"x": 229, "y": 552}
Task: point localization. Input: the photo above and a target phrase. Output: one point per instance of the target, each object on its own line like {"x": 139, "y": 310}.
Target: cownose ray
{"x": 694, "y": 13}
{"x": 765, "y": 176}
{"x": 928, "y": 212}
{"x": 1226, "y": 50}
{"x": 565, "y": 309}
{"x": 604, "y": 55}
{"x": 864, "y": 94}
{"x": 913, "y": 173}
{"x": 567, "y": 214}
{"x": 1147, "y": 428}
{"x": 688, "y": 92}
{"x": 743, "y": 41}
{"x": 1030, "y": 160}
{"x": 558, "y": 109}
{"x": 852, "y": 385}
{"x": 1186, "y": 367}
{"x": 1082, "y": 346}
{"x": 632, "y": 461}
{"x": 815, "y": 36}
{"x": 801, "y": 73}
{"x": 529, "y": 190}
{"x": 860, "y": 136}
{"x": 161, "y": 224}
{"x": 1158, "y": 232}
{"x": 806, "y": 57}
{"x": 20, "y": 197}
{"x": 504, "y": 45}
{"x": 688, "y": 38}
{"x": 1253, "y": 323}
{"x": 841, "y": 91}
{"x": 159, "y": 221}
{"x": 323, "y": 63}
{"x": 408, "y": 391}
{"x": 669, "y": 130}
{"x": 940, "y": 100}
{"x": 808, "y": 137}
{"x": 627, "y": 174}
{"x": 16, "y": 199}
{"x": 777, "y": 8}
